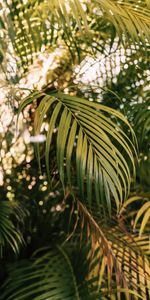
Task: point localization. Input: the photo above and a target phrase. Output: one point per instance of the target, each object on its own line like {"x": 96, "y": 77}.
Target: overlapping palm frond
{"x": 128, "y": 17}
{"x": 9, "y": 235}
{"x": 132, "y": 261}
{"x": 90, "y": 133}
{"x": 142, "y": 214}
{"x": 51, "y": 274}
{"x": 64, "y": 10}
{"x": 27, "y": 34}
{"x": 120, "y": 254}
{"x": 32, "y": 26}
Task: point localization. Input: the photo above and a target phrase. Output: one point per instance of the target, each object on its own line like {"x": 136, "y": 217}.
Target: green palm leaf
{"x": 142, "y": 215}
{"x": 86, "y": 133}
{"x": 32, "y": 25}
{"x": 145, "y": 211}
{"x": 126, "y": 16}
{"x": 52, "y": 274}
{"x": 141, "y": 114}
{"x": 9, "y": 235}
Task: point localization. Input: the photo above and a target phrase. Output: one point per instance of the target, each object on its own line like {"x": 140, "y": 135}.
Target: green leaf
{"x": 50, "y": 274}
{"x": 9, "y": 235}
{"x": 145, "y": 209}
{"x": 98, "y": 138}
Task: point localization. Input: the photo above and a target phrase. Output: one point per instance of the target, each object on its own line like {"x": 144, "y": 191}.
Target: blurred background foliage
{"x": 98, "y": 51}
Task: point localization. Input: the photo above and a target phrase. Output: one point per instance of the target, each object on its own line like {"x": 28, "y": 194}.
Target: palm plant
{"x": 89, "y": 154}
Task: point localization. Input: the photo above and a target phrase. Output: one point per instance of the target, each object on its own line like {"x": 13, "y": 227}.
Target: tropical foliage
{"x": 75, "y": 124}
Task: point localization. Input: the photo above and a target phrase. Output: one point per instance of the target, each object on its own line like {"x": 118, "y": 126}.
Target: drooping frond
{"x": 142, "y": 214}
{"x": 9, "y": 235}
{"x": 128, "y": 17}
{"x": 51, "y": 274}
{"x": 87, "y": 131}
{"x": 121, "y": 256}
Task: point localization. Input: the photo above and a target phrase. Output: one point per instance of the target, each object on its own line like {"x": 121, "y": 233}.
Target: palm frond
{"x": 51, "y": 273}
{"x": 139, "y": 115}
{"x": 121, "y": 260}
{"x": 128, "y": 17}
{"x": 144, "y": 211}
{"x": 142, "y": 214}
{"x": 63, "y": 10}
{"x": 28, "y": 34}
{"x": 9, "y": 235}
{"x": 142, "y": 120}
{"x": 35, "y": 26}
{"x": 84, "y": 131}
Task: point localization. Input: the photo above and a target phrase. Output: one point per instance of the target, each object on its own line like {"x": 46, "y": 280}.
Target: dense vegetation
{"x": 75, "y": 160}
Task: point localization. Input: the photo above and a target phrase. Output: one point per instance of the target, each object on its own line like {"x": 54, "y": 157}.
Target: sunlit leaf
{"x": 95, "y": 152}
